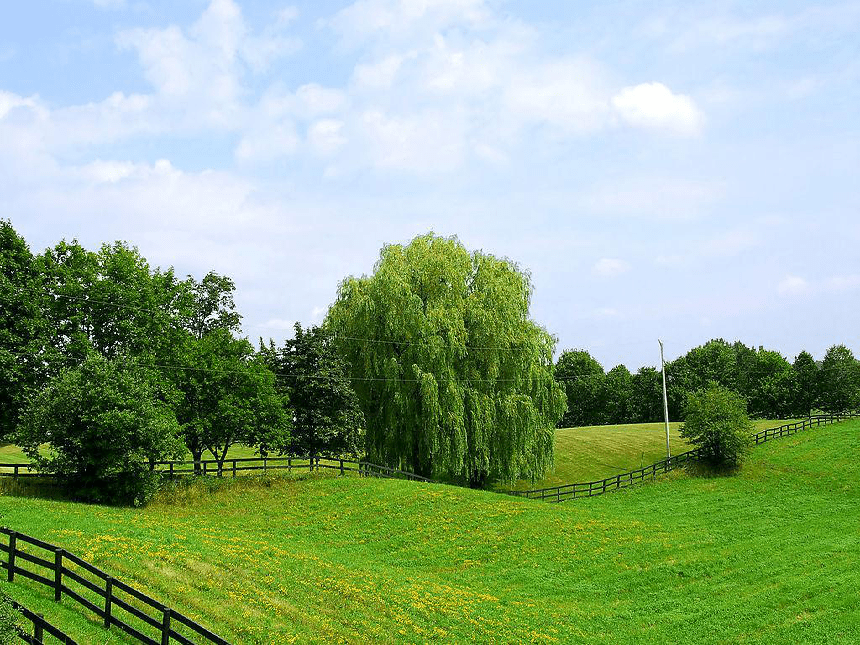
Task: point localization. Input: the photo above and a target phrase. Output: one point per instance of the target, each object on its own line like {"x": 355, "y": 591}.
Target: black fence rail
{"x": 232, "y": 467}
{"x": 793, "y": 428}
{"x": 19, "y": 470}
{"x": 625, "y": 480}
{"x": 622, "y": 480}
{"x": 116, "y": 603}
{"x": 40, "y": 627}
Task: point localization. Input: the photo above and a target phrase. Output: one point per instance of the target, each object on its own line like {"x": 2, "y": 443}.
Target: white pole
{"x": 665, "y": 400}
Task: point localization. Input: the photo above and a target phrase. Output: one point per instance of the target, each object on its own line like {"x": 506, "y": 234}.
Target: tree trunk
{"x": 197, "y": 456}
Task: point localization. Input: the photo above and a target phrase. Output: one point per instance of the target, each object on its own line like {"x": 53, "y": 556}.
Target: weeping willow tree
{"x": 454, "y": 379}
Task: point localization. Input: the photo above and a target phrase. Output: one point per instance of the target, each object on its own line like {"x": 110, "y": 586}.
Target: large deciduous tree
{"x": 110, "y": 301}
{"x": 806, "y": 380}
{"x": 839, "y": 380}
{"x": 229, "y": 397}
{"x": 454, "y": 379}
{"x": 584, "y": 384}
{"x": 327, "y": 417}
{"x": 23, "y": 327}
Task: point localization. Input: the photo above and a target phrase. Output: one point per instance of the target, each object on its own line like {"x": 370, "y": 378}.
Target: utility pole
{"x": 665, "y": 400}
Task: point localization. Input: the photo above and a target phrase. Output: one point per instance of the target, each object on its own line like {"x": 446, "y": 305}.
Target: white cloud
{"x": 201, "y": 73}
{"x": 404, "y": 20}
{"x": 653, "y": 198}
{"x": 840, "y": 283}
{"x": 315, "y": 99}
{"x": 653, "y": 105}
{"x": 792, "y": 285}
{"x": 379, "y": 74}
{"x": 268, "y": 142}
{"x": 110, "y": 4}
{"x": 325, "y": 136}
{"x": 425, "y": 142}
{"x": 610, "y": 267}
{"x": 566, "y": 94}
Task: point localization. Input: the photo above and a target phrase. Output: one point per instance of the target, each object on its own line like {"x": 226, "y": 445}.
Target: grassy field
{"x": 596, "y": 452}
{"x": 771, "y": 555}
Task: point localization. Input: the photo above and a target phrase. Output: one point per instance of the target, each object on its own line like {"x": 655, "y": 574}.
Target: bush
{"x": 104, "y": 422}
{"x": 717, "y": 422}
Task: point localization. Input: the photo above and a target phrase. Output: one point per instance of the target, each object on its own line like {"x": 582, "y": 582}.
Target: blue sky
{"x": 676, "y": 170}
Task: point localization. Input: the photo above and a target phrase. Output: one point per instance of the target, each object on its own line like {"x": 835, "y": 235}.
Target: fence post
{"x": 341, "y": 468}
{"x": 58, "y": 575}
{"x": 265, "y": 464}
{"x": 234, "y": 469}
{"x": 165, "y": 627}
{"x": 108, "y": 601}
{"x": 37, "y": 629}
{"x": 13, "y": 540}
{"x": 289, "y": 464}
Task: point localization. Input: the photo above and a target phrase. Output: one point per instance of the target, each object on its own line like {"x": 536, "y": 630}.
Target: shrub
{"x": 104, "y": 422}
{"x": 717, "y": 422}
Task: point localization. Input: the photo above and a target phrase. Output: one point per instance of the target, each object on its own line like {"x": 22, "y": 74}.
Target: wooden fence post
{"x": 108, "y": 601}
{"x": 234, "y": 469}
{"x": 341, "y": 468}
{"x": 165, "y": 627}
{"x": 13, "y": 539}
{"x": 37, "y": 629}
{"x": 58, "y": 575}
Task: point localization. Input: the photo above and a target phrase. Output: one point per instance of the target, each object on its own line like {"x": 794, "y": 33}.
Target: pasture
{"x": 771, "y": 555}
{"x": 594, "y": 452}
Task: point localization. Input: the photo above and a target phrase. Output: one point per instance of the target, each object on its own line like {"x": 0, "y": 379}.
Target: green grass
{"x": 596, "y": 452}
{"x": 771, "y": 555}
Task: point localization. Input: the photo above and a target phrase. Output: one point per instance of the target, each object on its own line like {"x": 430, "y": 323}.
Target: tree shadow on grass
{"x": 709, "y": 470}
{"x": 33, "y": 487}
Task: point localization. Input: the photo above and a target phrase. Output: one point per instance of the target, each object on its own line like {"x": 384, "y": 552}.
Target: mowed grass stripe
{"x": 769, "y": 556}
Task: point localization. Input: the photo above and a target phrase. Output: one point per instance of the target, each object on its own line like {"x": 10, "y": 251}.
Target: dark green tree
{"x": 228, "y": 397}
{"x": 806, "y": 379}
{"x": 839, "y": 380}
{"x": 458, "y": 380}
{"x": 212, "y": 306}
{"x": 646, "y": 400}
{"x": 23, "y": 327}
{"x": 583, "y": 381}
{"x": 618, "y": 388}
{"x": 327, "y": 418}
{"x": 111, "y": 302}
{"x": 770, "y": 390}
{"x": 717, "y": 422}
{"x": 104, "y": 424}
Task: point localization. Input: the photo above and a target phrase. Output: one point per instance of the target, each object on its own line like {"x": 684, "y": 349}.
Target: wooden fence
{"x": 40, "y": 628}
{"x": 625, "y": 480}
{"x": 116, "y": 603}
{"x": 234, "y": 466}
{"x": 231, "y": 467}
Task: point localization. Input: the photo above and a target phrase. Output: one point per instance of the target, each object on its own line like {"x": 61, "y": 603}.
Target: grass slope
{"x": 596, "y": 452}
{"x": 769, "y": 556}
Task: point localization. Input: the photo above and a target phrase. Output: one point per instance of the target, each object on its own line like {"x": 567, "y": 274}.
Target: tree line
{"x": 114, "y": 364}
{"x": 430, "y": 364}
{"x": 772, "y": 387}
